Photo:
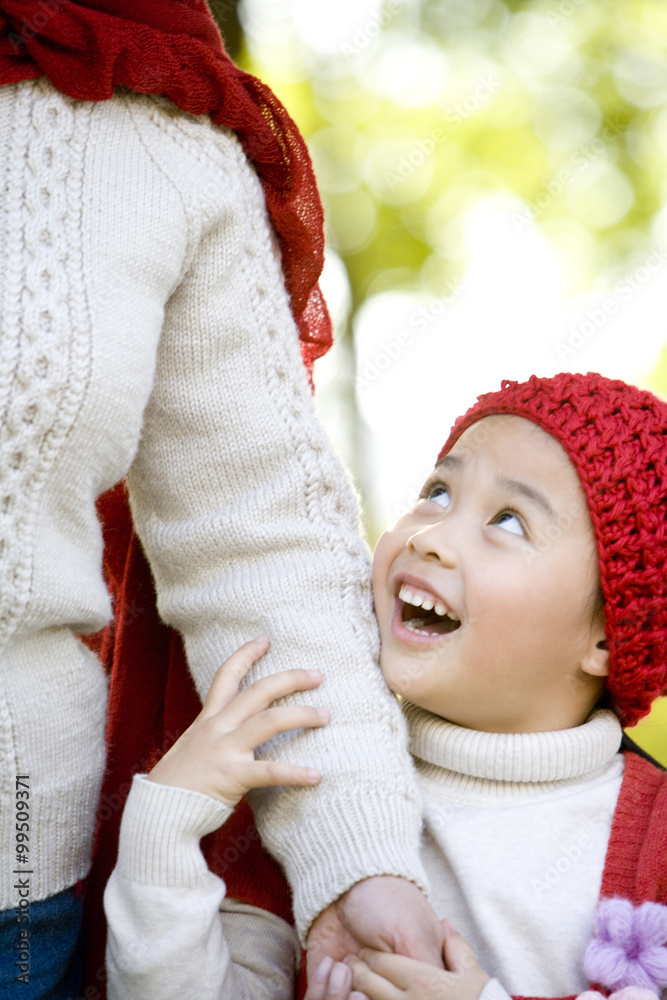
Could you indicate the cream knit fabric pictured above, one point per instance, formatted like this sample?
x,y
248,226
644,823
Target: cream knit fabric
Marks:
x,y
145,327
515,835
172,933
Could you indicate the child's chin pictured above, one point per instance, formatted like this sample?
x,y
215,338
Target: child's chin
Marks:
x,y
398,682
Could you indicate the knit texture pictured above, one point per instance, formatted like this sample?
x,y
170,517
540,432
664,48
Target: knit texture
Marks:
x,y
172,924
629,947
636,862
137,246
515,835
89,47
616,437
485,797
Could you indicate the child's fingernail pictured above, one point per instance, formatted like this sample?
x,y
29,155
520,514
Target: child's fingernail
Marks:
x,y
323,969
315,673
323,714
340,977
313,775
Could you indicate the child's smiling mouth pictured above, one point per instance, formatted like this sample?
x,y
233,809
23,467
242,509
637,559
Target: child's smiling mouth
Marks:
x,y
423,614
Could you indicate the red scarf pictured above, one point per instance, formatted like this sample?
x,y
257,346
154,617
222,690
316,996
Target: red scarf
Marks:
x,y
173,47
170,47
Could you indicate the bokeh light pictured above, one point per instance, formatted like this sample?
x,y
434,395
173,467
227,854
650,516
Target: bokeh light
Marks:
x,y
493,175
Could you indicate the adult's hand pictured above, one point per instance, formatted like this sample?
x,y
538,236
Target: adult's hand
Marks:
x,y
385,913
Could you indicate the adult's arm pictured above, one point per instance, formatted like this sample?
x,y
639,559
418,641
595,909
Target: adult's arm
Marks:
x,y
250,525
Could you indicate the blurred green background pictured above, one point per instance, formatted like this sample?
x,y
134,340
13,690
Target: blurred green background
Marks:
x,y
494,181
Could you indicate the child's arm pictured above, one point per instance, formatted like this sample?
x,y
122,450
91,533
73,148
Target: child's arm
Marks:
x,y
166,930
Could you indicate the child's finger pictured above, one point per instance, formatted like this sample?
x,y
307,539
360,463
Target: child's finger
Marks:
x,y
261,773
331,981
272,721
317,984
370,983
258,696
398,969
461,960
458,954
269,723
225,684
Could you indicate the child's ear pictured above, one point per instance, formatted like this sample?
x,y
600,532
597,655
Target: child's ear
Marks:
x,y
596,660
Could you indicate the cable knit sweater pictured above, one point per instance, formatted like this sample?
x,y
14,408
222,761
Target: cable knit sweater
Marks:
x,y
515,834
146,331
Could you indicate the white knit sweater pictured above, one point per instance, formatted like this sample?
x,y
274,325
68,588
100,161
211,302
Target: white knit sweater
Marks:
x,y
145,331
514,841
515,836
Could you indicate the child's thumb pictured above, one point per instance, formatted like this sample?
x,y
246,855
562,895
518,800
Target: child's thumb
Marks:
x,y
458,955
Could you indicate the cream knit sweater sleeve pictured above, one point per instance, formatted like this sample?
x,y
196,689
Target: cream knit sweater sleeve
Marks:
x,y
172,933
250,526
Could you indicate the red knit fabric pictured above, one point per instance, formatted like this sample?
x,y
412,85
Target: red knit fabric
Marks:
x,y
635,866
636,862
173,47
616,437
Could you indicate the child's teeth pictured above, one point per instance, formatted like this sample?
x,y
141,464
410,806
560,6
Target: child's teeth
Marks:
x,y
426,603
414,624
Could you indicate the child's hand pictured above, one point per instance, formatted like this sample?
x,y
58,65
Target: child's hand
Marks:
x,y
393,977
332,981
215,755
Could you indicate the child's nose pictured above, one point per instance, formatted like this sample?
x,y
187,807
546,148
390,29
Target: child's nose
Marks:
x,y
433,542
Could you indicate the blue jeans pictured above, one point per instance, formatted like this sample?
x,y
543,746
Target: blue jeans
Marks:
x,y
46,952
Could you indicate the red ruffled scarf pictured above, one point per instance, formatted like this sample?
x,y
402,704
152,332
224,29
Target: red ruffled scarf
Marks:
x,y
173,48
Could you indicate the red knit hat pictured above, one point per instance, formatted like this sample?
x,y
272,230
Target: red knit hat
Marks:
x,y
616,437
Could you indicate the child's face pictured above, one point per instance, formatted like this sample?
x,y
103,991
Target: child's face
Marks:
x,y
502,539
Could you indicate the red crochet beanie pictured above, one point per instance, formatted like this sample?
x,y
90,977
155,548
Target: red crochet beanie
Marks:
x,y
616,437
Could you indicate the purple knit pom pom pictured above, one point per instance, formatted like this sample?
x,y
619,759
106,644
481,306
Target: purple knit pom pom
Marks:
x,y
629,947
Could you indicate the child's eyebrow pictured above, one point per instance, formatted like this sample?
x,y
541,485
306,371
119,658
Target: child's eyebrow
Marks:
x,y
524,490
514,486
449,461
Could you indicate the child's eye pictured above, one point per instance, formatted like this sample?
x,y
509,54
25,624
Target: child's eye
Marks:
x,y
438,492
510,521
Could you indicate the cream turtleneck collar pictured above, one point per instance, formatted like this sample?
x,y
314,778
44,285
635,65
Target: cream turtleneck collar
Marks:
x,y
514,757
